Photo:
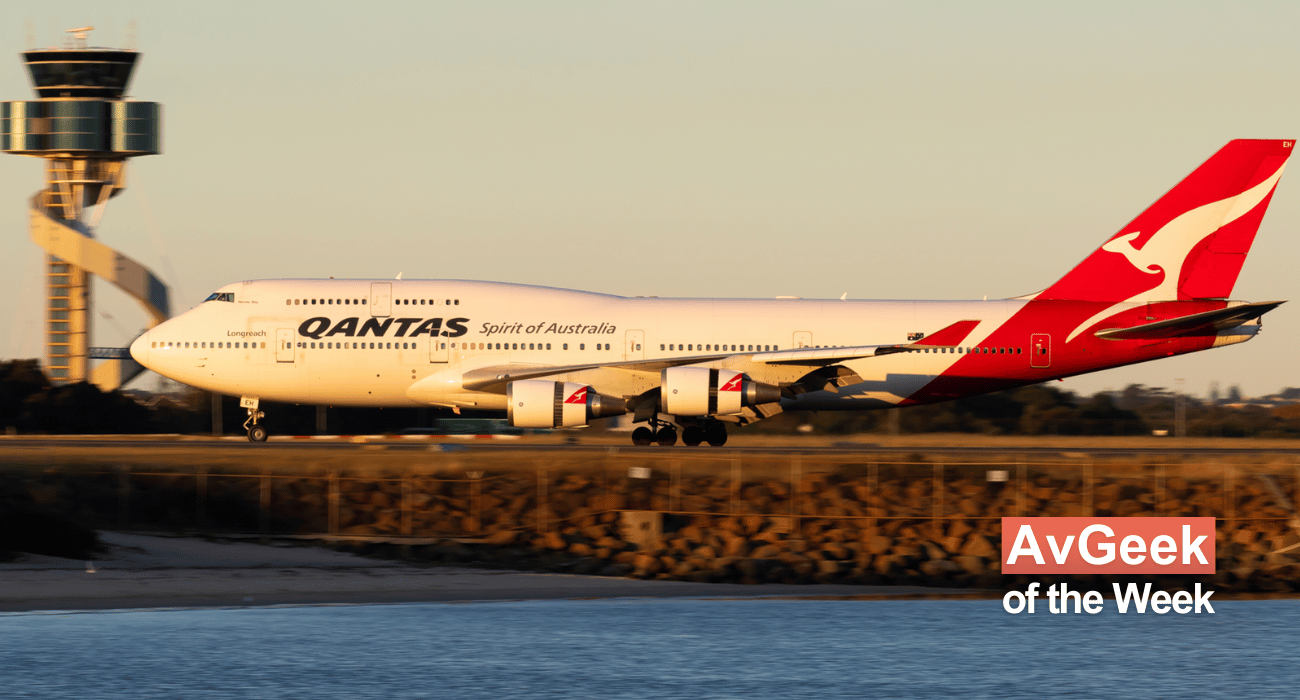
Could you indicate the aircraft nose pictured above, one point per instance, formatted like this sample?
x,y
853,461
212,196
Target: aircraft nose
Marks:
x,y
140,349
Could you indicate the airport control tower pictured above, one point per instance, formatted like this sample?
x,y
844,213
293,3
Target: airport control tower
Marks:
x,y
85,130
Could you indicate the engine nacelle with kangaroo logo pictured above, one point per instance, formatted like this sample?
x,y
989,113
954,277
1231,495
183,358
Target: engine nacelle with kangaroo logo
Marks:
x,y
537,403
700,391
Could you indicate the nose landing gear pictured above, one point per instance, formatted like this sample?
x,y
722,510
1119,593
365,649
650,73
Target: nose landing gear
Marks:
x,y
256,433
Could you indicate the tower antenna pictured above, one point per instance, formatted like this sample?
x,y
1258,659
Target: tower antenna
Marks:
x,y
79,36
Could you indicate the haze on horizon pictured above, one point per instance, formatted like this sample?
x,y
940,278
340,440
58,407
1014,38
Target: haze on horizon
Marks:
x,y
736,149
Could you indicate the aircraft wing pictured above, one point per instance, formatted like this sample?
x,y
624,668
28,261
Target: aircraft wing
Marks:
x,y
949,336
494,379
1205,322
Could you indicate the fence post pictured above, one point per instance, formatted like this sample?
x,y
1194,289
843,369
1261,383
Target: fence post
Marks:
x,y
873,470
541,498
936,499
264,503
675,485
406,505
124,495
1229,497
1086,506
735,486
476,501
1021,487
796,469
1158,488
333,502
609,479
200,497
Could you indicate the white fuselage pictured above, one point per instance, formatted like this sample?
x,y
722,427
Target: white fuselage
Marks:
x,y
408,342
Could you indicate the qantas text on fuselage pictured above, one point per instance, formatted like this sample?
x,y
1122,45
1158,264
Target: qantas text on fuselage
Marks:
x,y
558,358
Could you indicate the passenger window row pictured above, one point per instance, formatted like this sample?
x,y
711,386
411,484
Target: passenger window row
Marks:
x,y
528,346
708,347
421,302
204,345
361,302
323,302
978,350
308,345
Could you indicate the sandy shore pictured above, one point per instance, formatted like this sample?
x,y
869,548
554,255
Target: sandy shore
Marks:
x,y
141,571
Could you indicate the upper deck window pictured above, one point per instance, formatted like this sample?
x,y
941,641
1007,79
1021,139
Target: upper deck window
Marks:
x,y
221,296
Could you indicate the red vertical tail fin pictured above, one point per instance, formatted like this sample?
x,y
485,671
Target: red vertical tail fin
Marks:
x,y
1192,242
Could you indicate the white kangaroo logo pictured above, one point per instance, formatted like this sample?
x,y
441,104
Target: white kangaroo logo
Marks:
x,y
1168,248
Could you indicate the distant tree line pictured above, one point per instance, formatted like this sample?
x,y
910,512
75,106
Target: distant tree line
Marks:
x,y
30,404
1042,409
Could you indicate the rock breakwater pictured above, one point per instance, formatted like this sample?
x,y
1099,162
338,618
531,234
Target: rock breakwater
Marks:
x,y
918,522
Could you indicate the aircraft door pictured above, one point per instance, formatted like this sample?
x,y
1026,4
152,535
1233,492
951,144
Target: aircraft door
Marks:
x,y
284,339
381,299
802,339
1040,348
437,349
634,345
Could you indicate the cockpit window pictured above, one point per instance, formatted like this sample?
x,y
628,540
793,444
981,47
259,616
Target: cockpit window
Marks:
x,y
221,296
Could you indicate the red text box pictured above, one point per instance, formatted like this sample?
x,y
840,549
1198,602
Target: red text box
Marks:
x,y
1108,545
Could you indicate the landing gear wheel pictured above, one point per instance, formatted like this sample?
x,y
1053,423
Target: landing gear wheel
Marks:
x,y
643,436
666,437
256,433
692,436
716,435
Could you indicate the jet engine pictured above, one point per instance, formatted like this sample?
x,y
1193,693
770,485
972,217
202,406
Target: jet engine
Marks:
x,y
537,403
700,391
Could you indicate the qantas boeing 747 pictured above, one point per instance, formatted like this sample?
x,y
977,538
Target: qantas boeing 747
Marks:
x,y
553,358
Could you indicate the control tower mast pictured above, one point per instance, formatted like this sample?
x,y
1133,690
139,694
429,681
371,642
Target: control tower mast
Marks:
x,y
85,130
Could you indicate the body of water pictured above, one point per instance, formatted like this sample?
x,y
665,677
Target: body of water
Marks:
x,y
778,649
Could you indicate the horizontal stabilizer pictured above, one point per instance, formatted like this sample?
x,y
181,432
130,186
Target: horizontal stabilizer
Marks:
x,y
948,337
1206,322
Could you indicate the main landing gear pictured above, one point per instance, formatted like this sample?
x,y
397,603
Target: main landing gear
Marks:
x,y
256,433
666,436
711,431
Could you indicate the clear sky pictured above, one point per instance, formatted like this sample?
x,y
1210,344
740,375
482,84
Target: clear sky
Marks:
x,y
741,149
